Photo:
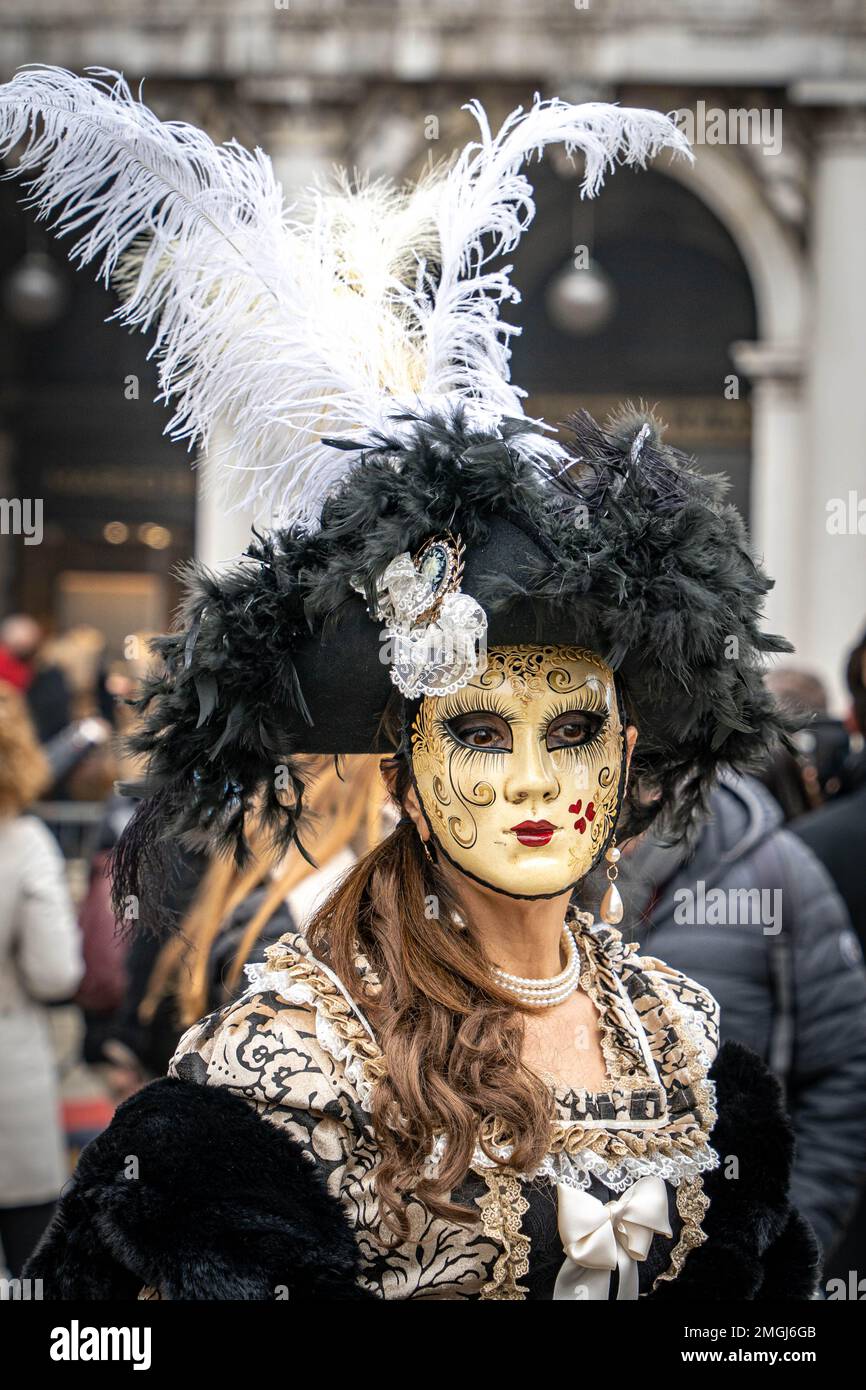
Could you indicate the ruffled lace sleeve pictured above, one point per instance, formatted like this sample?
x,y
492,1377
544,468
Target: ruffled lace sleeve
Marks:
x,y
692,1003
264,1050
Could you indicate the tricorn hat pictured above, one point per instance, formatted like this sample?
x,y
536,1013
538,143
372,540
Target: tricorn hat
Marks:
x,y
626,549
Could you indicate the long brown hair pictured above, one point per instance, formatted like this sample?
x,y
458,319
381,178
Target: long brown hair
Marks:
x,y
452,1040
24,769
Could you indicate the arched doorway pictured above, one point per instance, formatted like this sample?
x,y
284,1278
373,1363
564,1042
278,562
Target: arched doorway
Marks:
x,y
678,296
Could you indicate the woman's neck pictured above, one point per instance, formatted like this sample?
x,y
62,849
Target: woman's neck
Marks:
x,y
520,935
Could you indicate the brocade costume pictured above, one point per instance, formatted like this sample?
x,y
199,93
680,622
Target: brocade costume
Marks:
x,y
298,1050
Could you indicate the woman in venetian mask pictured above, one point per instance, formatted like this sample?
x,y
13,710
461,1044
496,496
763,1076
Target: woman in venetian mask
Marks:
x,y
454,1085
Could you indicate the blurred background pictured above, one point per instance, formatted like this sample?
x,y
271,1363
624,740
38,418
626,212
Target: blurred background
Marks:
x,y
730,295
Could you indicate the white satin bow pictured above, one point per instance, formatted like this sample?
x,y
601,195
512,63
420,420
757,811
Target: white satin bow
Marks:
x,y
599,1237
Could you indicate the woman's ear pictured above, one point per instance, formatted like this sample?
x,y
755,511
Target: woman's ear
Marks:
x,y
630,741
410,805
388,769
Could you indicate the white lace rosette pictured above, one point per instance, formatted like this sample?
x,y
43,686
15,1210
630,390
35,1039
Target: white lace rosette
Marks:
x,y
435,635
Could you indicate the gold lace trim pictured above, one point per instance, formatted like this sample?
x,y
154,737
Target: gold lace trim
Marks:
x,y
685,1134
692,1203
503,1207
622,1053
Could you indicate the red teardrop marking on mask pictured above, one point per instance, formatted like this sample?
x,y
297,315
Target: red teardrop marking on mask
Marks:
x,y
590,811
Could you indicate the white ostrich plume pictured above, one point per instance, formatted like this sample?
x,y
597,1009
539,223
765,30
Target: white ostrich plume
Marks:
x,y
289,326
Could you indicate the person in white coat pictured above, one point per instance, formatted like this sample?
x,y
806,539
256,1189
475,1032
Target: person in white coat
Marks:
x,y
40,962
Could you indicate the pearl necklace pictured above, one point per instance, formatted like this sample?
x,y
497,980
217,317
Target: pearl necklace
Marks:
x,y
544,994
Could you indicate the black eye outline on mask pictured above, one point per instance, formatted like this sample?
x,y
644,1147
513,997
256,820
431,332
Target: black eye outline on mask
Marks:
x,y
461,726
458,724
593,720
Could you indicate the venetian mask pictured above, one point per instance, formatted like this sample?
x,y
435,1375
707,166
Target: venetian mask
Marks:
x,y
520,772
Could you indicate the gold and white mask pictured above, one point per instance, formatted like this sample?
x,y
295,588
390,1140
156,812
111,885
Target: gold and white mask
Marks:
x,y
520,772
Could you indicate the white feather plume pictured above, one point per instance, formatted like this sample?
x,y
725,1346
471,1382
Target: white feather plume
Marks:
x,y
289,326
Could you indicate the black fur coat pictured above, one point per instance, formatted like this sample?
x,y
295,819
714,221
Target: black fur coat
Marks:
x,y
190,1191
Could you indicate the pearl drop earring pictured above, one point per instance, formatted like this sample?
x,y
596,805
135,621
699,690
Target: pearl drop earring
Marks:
x,y
612,909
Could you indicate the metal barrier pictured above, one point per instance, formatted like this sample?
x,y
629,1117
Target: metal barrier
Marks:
x,y
74,824
75,827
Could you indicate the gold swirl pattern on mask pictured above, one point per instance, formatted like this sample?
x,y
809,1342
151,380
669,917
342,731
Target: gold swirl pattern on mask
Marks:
x,y
607,812
602,826
428,748
440,791
482,794
599,782
429,755
465,838
523,667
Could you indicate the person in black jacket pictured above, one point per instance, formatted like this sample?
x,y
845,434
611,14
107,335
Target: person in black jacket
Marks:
x,y
787,971
836,833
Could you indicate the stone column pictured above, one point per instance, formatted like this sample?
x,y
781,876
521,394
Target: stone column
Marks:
x,y
834,593
221,530
780,485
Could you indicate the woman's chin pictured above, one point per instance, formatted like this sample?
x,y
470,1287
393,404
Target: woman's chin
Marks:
x,y
533,874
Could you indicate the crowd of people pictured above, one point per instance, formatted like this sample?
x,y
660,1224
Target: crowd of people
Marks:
x,y
767,908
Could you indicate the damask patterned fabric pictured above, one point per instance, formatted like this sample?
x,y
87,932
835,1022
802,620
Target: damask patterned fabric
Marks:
x,y
299,1050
